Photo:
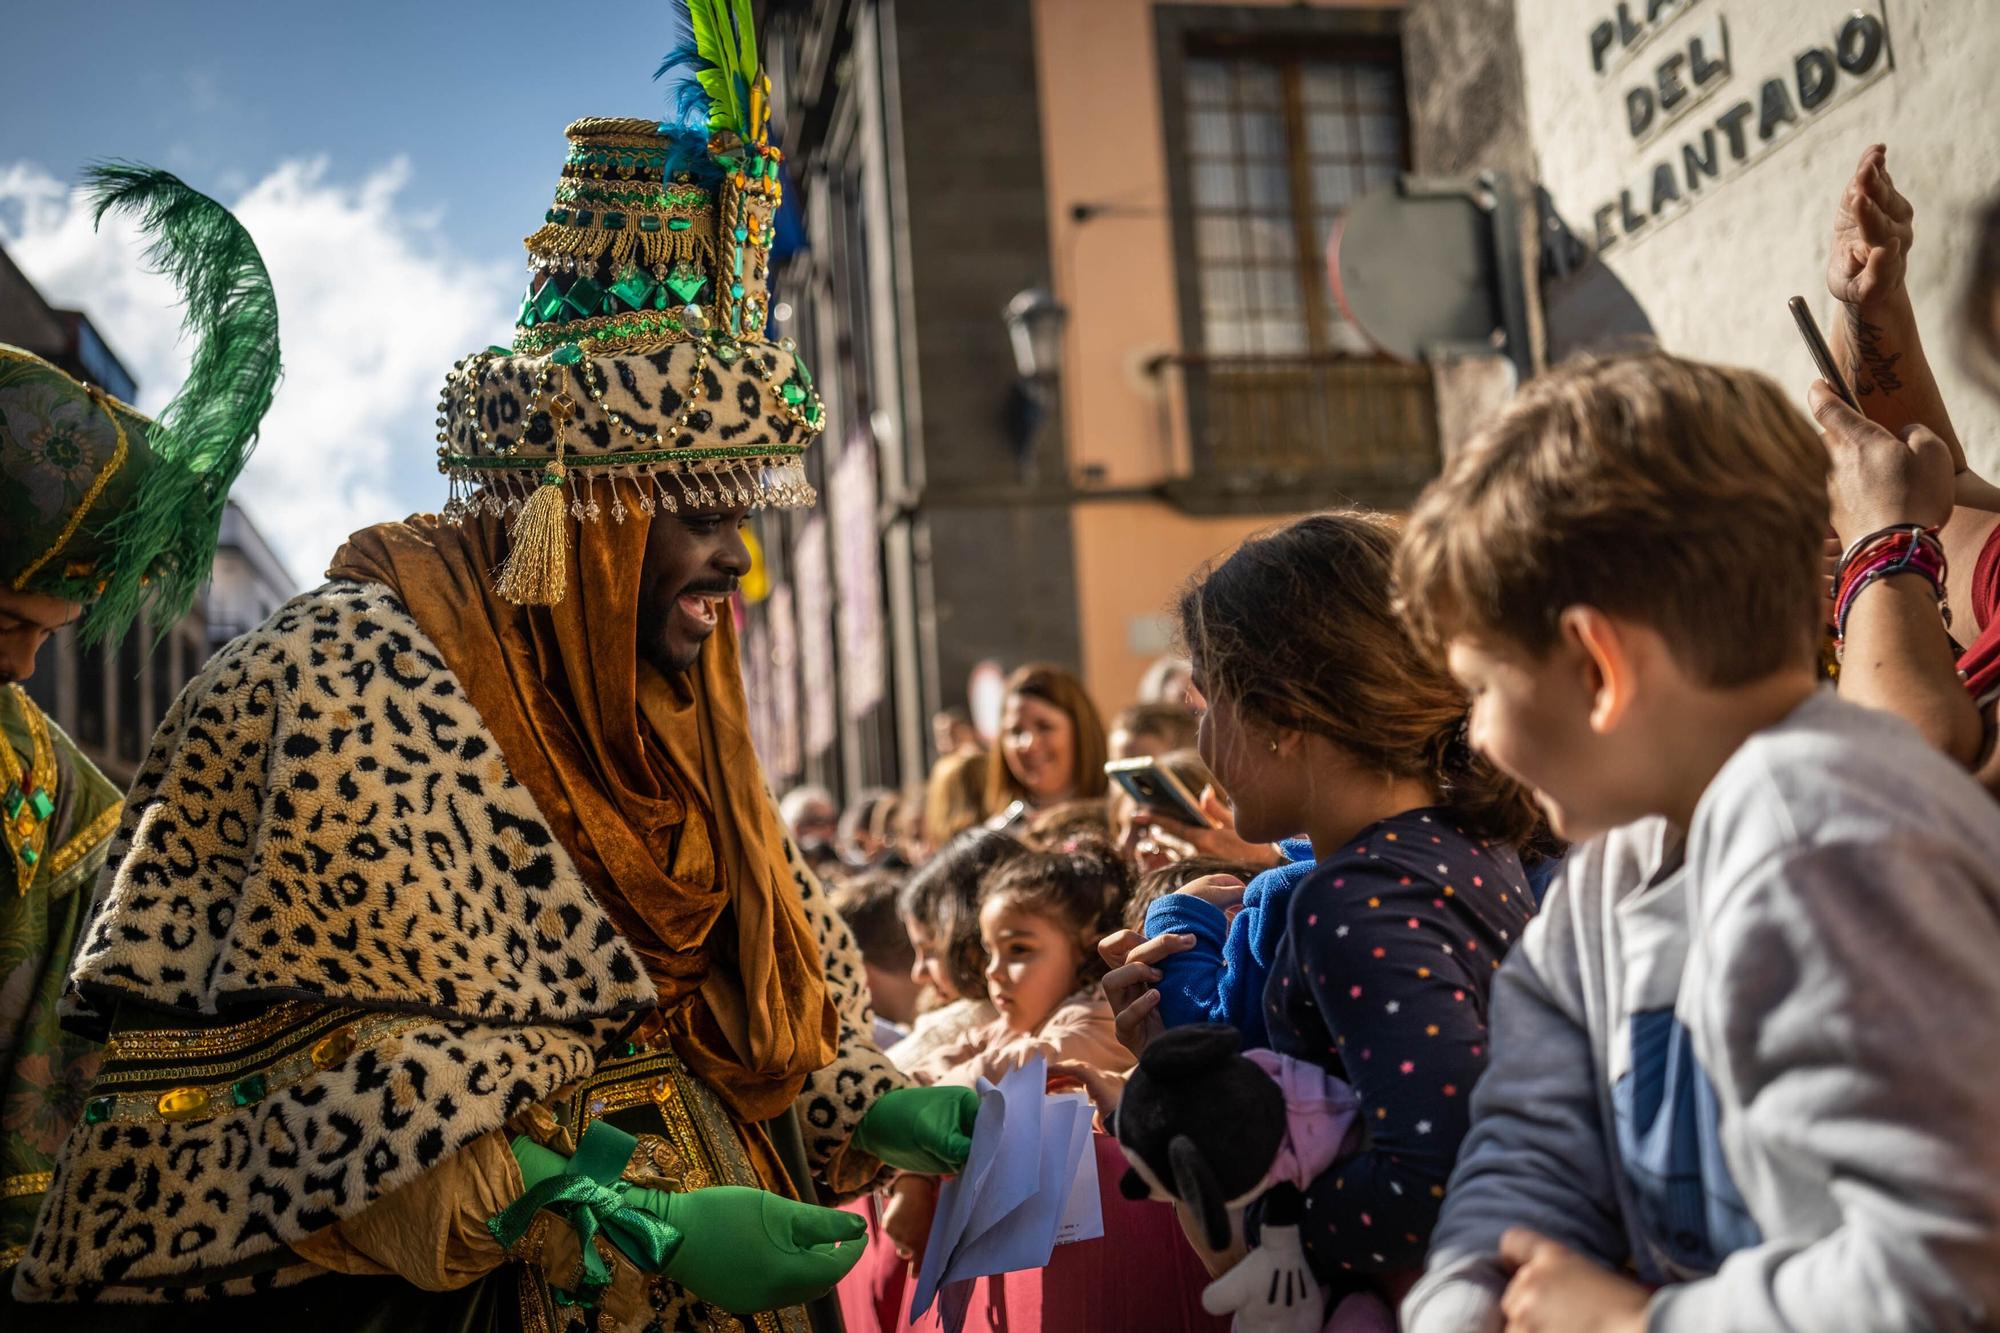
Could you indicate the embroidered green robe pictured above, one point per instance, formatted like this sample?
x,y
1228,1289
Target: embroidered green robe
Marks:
x,y
45,1073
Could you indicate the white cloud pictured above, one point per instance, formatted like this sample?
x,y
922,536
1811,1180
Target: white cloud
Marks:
x,y
373,308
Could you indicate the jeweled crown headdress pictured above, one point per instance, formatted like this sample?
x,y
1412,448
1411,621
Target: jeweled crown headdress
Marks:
x,y
641,349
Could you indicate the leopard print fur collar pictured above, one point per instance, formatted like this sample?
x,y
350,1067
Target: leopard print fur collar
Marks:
x,y
323,816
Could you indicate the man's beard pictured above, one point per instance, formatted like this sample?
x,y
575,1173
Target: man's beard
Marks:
x,y
656,654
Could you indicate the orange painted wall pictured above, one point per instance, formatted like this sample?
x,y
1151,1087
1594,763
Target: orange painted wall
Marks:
x,y
1102,143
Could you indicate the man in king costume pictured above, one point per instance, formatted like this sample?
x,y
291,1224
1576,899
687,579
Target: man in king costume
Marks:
x,y
456,969
102,510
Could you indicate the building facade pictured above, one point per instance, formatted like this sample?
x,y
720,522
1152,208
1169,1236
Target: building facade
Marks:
x,y
110,697
1171,173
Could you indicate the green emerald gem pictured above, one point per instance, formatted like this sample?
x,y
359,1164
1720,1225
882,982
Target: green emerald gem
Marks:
x,y
678,224
634,289
245,1091
15,796
736,290
29,856
632,1048
685,282
567,355
612,222
583,216
584,296
498,350
792,393
42,804
548,303
725,352
649,224
98,1110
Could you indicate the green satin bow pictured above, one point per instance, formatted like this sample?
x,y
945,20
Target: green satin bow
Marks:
x,y
586,1192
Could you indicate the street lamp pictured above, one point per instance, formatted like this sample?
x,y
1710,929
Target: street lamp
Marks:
x,y
1034,320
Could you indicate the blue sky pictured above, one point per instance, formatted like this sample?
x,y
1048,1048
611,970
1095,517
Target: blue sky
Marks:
x,y
388,157
221,91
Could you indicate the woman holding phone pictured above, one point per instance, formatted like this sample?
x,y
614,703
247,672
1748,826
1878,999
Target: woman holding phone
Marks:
x,y
1051,748
1376,964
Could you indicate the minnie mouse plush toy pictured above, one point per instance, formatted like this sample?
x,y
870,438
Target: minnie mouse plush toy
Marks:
x,y
1203,1123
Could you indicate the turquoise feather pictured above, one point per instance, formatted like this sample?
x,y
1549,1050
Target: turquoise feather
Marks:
x,y
720,48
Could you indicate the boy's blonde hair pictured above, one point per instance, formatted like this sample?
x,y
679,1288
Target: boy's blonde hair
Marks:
x,y
1686,496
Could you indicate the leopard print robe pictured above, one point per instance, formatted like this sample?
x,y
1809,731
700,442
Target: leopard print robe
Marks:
x,y
337,943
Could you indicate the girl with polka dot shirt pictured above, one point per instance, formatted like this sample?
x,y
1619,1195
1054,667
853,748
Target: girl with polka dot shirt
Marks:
x,y
1322,717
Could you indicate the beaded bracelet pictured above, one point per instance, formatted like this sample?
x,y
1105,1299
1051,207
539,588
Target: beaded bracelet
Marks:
x,y
1905,548
1910,550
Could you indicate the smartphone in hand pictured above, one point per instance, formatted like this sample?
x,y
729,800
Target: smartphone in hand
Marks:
x,y
1155,788
1822,355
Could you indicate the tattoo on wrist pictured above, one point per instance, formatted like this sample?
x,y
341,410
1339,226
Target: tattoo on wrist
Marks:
x,y
1868,366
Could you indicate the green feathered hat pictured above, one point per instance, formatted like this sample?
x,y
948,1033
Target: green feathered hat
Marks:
x,y
640,352
101,504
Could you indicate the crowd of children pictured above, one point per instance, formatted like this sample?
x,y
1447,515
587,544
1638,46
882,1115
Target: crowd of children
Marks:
x,y
1596,964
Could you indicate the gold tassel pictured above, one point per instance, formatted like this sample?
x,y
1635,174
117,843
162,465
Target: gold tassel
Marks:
x,y
535,572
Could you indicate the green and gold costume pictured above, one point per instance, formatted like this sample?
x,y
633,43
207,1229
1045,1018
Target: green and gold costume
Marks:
x,y
57,814
115,511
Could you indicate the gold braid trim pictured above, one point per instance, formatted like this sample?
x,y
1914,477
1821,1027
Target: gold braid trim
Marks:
x,y
86,842
615,131
104,476
35,1182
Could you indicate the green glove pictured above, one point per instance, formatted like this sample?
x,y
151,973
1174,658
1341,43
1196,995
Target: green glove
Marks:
x,y
747,1250
924,1130
744,1250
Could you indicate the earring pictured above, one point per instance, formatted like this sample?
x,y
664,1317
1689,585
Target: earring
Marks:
x,y
1274,747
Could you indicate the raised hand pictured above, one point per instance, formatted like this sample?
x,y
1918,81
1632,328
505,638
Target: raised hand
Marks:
x,y
1872,234
1876,478
1220,840
1128,986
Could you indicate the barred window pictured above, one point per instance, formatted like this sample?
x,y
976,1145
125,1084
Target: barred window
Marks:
x,y
1278,143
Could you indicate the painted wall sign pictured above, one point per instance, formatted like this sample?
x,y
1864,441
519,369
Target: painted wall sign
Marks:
x,y
1694,154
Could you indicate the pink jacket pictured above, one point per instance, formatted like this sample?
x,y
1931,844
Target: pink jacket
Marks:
x,y
1080,1029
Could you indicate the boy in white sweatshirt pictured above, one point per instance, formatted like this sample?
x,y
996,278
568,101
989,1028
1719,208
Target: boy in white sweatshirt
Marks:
x,y
1741,1073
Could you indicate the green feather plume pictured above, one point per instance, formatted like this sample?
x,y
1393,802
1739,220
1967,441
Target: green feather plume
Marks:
x,y
164,539
725,39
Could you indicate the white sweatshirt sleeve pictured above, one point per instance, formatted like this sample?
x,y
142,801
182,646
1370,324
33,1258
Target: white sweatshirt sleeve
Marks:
x,y
1843,1001
1536,1156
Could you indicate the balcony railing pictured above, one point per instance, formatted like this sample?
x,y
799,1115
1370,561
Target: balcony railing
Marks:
x,y
1271,433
